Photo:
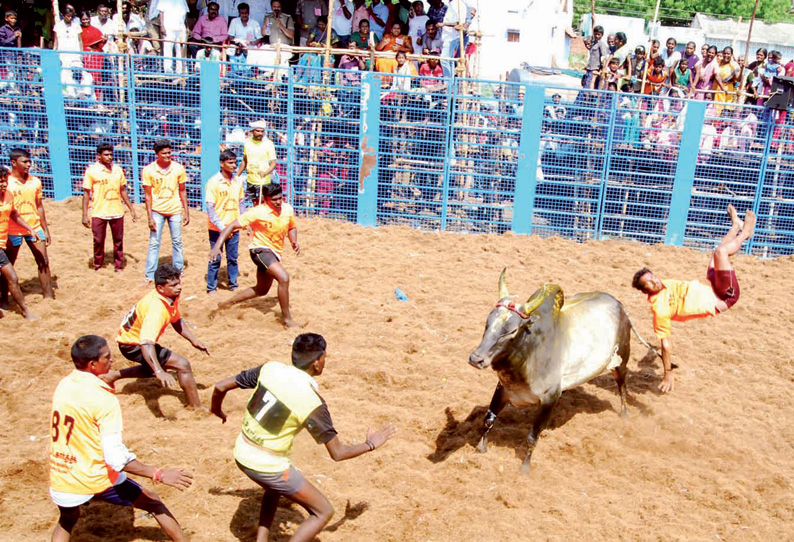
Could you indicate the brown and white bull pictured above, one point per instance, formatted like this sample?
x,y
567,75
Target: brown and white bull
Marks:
x,y
548,345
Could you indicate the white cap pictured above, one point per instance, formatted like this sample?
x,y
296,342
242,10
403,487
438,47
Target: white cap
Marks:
x,y
259,124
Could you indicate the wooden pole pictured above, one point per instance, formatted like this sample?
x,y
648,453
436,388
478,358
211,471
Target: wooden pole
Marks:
x,y
648,53
328,30
461,69
747,51
122,41
592,18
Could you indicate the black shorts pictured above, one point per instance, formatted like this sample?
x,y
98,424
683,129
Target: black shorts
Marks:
x,y
4,261
263,258
133,353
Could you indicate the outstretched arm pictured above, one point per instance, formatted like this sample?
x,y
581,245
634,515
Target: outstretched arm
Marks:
x,y
219,394
184,330
668,380
375,439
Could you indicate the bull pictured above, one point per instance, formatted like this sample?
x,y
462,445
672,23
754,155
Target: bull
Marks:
x,y
548,345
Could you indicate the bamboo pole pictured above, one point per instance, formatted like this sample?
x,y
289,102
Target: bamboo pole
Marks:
x,y
328,31
747,51
461,68
592,18
122,42
650,41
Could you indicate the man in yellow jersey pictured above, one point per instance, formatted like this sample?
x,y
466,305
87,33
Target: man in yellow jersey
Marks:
x,y
165,194
105,186
285,400
681,300
142,328
88,458
271,221
8,215
223,200
259,157
27,192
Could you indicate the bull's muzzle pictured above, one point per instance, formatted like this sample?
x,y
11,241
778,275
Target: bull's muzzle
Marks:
x,y
477,360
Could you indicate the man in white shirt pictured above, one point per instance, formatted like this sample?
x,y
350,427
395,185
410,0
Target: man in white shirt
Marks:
x,y
343,21
133,26
104,23
417,21
172,22
242,29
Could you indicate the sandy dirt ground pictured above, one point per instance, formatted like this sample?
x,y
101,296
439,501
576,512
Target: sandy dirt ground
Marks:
x,y
712,461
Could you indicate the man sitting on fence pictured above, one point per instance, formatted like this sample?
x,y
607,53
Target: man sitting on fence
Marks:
x,y
681,300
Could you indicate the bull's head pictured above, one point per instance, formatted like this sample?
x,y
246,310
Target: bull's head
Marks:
x,y
509,320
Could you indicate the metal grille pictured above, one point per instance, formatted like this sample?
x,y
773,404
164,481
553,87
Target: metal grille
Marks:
x,y
641,160
326,134
23,112
775,197
486,134
574,147
167,106
728,168
414,131
468,156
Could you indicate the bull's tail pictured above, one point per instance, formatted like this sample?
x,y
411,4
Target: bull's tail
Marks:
x,y
637,333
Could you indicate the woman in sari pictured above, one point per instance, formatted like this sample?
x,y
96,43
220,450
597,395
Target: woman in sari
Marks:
x,y
704,74
725,78
393,42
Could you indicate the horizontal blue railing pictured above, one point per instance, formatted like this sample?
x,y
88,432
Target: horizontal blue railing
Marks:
x,y
459,155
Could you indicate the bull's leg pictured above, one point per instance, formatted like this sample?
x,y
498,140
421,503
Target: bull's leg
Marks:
x,y
619,373
539,425
498,402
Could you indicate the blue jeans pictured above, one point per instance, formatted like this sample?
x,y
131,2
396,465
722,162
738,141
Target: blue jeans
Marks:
x,y
231,245
175,227
450,49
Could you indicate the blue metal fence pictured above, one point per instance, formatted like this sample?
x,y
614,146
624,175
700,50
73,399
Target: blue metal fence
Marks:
x,y
459,155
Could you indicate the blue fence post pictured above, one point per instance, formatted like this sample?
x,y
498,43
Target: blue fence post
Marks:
x,y
210,99
528,157
613,114
452,89
685,173
291,166
133,119
58,141
759,187
369,132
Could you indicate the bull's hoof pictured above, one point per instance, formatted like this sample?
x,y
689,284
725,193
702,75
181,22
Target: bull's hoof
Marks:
x,y
482,446
526,466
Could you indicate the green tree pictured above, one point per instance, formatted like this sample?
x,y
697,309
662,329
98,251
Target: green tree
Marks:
x,y
680,12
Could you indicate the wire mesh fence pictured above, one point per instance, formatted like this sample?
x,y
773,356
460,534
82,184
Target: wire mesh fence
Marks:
x,y
23,112
459,155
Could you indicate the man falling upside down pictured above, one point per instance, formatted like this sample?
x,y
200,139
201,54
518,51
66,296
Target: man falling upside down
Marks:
x,y
681,300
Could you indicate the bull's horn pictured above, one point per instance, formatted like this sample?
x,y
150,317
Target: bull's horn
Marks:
x,y
503,284
540,296
534,300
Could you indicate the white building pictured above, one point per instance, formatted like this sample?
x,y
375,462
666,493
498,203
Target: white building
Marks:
x,y
722,32
517,31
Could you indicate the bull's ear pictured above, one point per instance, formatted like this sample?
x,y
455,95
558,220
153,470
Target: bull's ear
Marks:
x,y
503,293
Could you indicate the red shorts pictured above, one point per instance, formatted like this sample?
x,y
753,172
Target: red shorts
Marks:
x,y
725,285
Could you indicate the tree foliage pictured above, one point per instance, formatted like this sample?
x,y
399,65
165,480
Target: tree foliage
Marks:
x,y
680,12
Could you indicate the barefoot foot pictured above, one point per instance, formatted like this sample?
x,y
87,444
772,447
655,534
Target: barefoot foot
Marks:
x,y
290,323
749,224
110,377
734,216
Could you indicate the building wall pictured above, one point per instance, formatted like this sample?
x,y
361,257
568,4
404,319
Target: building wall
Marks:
x,y
541,26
